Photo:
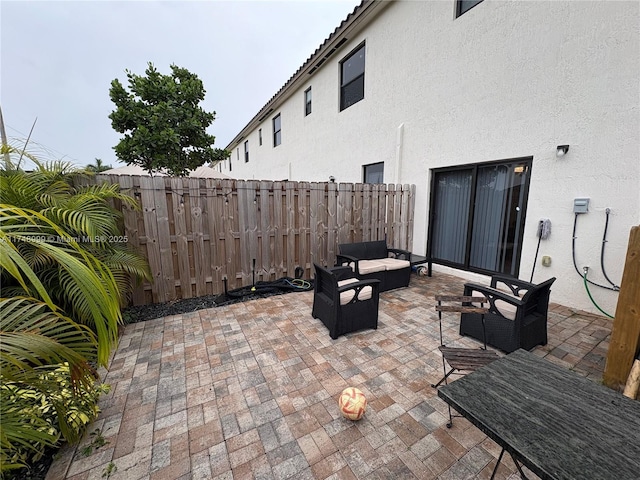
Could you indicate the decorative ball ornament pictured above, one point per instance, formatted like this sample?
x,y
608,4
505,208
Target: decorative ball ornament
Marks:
x,y
352,403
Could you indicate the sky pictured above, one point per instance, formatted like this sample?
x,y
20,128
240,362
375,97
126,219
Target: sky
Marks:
x,y
58,58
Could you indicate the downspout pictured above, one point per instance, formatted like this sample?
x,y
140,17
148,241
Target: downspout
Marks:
x,y
399,140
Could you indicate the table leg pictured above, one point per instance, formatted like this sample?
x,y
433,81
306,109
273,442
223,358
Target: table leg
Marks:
x,y
497,465
446,375
522,475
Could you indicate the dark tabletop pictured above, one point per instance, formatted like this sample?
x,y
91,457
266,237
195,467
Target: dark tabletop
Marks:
x,y
559,424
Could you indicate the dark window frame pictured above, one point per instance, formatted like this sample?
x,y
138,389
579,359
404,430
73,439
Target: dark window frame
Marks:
x,y
260,137
364,172
246,151
358,78
307,102
475,167
463,6
277,134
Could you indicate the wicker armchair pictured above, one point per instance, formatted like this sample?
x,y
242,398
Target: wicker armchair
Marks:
x,y
517,316
344,304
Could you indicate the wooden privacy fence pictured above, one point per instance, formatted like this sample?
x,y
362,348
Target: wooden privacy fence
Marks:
x,y
195,232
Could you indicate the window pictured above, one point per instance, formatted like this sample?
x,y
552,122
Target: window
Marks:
x,y
477,216
307,101
277,134
373,173
246,151
463,6
260,136
352,78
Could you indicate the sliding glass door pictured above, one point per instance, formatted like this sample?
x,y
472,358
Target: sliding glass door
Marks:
x,y
477,216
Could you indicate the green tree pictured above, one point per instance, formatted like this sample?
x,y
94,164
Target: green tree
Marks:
x,y
98,166
163,125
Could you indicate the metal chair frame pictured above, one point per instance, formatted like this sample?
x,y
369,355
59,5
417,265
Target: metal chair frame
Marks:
x,y
462,359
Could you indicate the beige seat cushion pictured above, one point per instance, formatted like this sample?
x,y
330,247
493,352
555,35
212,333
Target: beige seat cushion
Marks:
x,y
346,297
394,263
371,266
507,310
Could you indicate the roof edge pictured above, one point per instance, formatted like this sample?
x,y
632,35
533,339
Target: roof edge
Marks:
x,y
331,44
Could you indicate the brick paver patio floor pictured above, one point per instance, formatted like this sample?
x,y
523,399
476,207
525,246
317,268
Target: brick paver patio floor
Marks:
x,y
250,391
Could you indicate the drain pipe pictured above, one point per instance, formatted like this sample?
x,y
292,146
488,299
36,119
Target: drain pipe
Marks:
x,y
399,141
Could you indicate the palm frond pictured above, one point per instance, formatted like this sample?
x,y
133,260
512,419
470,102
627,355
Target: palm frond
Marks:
x,y
94,284
33,336
84,218
108,191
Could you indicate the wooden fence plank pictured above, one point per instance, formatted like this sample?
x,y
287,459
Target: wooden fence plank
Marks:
x,y
375,220
291,228
357,218
303,222
230,213
332,224
201,260
390,205
266,225
212,213
151,241
346,225
164,237
397,215
625,335
182,242
315,225
279,215
252,225
404,216
365,224
411,217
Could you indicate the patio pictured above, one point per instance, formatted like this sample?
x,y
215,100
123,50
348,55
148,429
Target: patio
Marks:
x,y
250,391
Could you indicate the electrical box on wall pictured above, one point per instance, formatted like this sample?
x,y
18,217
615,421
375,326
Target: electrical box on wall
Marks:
x,y
580,205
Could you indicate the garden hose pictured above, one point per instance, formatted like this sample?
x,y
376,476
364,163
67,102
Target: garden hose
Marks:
x,y
604,242
586,286
575,265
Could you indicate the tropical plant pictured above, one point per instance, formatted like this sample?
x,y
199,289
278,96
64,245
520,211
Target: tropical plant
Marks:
x,y
83,217
98,166
63,283
163,125
35,416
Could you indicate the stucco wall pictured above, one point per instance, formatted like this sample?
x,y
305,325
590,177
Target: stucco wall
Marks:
x,y
505,80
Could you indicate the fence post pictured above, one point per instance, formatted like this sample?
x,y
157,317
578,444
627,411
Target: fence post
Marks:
x,y
625,336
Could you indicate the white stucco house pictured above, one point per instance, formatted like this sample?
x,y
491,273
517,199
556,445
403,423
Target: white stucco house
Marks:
x,y
502,113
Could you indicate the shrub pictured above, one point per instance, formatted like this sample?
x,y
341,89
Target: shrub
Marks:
x,y
38,413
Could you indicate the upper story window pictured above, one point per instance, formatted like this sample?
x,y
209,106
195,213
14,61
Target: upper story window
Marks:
x,y
463,6
373,173
246,151
260,136
352,78
307,101
277,134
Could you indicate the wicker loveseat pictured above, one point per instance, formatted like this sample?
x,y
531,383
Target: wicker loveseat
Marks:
x,y
374,260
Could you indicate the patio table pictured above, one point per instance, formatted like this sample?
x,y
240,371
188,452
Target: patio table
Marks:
x,y
556,422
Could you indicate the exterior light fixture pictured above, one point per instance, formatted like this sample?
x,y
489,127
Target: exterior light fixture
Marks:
x,y
562,150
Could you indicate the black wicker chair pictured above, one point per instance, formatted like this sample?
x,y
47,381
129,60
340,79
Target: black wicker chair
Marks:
x,y
517,316
344,304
